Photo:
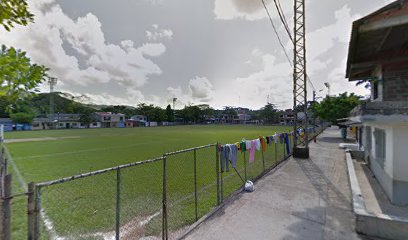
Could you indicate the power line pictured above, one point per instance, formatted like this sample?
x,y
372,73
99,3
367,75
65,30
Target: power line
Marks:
x,y
284,22
276,32
283,19
283,14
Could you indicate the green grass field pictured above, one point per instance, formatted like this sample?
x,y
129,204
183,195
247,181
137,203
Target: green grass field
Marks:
x,y
84,207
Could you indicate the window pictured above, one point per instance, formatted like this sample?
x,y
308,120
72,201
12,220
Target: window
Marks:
x,y
379,136
107,118
375,89
368,138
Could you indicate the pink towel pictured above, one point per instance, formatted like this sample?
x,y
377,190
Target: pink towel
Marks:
x,y
252,152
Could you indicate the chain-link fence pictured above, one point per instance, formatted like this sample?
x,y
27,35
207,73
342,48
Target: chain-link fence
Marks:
x,y
153,199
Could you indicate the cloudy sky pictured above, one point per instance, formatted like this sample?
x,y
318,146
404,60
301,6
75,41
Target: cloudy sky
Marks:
x,y
219,52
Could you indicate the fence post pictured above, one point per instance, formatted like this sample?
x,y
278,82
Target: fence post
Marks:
x,y
263,160
2,171
217,169
222,184
37,211
195,185
284,150
245,169
6,209
31,211
2,162
276,153
164,206
118,204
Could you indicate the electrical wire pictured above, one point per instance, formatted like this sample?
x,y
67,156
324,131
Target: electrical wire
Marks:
x,y
283,19
284,22
276,32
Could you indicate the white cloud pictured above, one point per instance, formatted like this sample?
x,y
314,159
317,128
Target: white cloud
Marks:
x,y
274,79
157,33
322,39
102,62
201,89
247,9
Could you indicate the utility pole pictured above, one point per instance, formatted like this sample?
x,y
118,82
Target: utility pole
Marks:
x,y
301,139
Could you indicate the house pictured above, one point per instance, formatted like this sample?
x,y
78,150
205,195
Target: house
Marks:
x,y
67,120
378,53
287,117
41,124
111,120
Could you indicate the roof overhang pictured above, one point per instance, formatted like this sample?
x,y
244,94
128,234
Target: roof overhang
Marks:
x,y
379,38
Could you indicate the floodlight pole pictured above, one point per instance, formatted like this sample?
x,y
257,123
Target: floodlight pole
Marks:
x,y
174,109
52,82
301,139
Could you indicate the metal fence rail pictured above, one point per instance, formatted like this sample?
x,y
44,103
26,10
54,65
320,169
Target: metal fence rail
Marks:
x,y
155,198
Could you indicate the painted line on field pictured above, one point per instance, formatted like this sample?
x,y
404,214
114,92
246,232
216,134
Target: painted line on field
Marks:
x,y
20,179
19,176
18,140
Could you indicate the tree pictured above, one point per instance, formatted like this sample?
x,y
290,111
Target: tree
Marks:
x,y
206,111
18,76
86,116
14,12
268,113
22,117
191,114
333,108
169,113
4,105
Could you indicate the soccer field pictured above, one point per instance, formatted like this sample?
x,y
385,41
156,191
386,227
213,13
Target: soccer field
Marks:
x,y
85,208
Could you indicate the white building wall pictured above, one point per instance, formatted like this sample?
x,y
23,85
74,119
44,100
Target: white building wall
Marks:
x,y
400,149
388,161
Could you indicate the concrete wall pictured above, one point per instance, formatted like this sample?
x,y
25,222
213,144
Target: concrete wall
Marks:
x,y
383,171
400,165
395,81
392,174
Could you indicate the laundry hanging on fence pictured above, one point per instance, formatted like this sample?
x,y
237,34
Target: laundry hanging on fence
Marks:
x,y
224,158
263,143
229,154
287,143
281,138
276,137
233,154
258,144
248,145
243,145
252,152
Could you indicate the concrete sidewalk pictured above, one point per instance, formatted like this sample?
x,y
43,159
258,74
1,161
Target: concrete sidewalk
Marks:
x,y
301,199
